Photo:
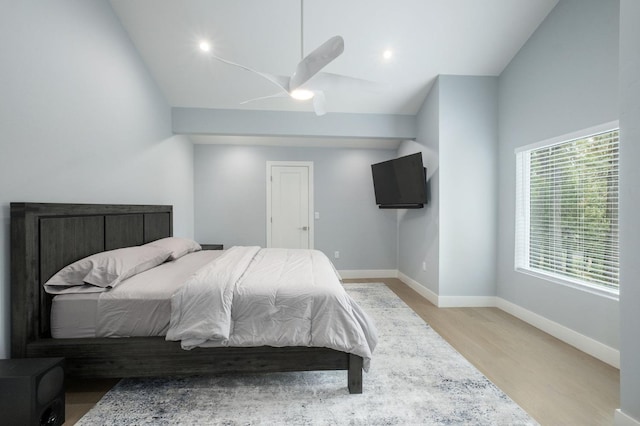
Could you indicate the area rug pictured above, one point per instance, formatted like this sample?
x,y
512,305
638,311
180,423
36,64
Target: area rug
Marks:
x,y
416,378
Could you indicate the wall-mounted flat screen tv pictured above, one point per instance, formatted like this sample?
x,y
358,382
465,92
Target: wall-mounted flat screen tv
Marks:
x,y
400,183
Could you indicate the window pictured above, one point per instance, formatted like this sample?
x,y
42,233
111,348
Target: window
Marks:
x,y
567,209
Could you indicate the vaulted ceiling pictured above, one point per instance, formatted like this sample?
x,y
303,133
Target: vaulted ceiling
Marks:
x,y
425,37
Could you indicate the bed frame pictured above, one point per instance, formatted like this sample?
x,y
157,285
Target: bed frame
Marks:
x,y
47,237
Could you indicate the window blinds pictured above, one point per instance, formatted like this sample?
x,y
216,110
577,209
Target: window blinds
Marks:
x,y
567,209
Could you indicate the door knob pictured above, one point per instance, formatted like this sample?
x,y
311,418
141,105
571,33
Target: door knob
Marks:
x,y
305,228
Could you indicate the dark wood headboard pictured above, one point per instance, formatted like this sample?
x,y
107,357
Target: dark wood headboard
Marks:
x,y
46,237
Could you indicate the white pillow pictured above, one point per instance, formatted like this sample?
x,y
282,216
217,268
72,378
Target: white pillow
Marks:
x,y
178,246
102,271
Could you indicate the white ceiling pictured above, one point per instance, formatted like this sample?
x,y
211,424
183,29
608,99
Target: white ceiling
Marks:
x,y
428,37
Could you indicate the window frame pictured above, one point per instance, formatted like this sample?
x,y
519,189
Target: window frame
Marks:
x,y
522,208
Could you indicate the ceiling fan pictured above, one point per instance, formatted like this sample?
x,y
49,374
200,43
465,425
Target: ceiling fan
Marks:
x,y
307,82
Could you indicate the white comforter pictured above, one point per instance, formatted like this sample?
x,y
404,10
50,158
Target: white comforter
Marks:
x,y
270,297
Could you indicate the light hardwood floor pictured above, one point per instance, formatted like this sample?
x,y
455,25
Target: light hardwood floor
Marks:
x,y
554,382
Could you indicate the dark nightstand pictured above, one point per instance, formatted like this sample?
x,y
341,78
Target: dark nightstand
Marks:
x,y
212,246
32,391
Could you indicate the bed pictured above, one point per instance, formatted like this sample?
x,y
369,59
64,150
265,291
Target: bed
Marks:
x,y
45,237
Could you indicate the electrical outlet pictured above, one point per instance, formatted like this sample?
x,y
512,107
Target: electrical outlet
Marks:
x,y
336,255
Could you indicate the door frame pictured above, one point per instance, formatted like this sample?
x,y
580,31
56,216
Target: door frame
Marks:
x,y
309,165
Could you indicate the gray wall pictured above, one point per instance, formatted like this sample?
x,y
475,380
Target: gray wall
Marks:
x,y
629,207
563,79
419,230
456,234
81,120
468,183
230,201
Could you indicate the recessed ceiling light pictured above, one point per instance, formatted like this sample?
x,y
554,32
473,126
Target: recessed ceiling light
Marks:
x,y
387,54
301,94
205,46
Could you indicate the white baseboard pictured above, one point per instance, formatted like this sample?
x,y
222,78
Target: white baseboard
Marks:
x,y
368,273
621,419
419,288
586,344
448,301
466,301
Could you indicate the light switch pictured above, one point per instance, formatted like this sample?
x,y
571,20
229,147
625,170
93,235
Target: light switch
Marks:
x,y
317,215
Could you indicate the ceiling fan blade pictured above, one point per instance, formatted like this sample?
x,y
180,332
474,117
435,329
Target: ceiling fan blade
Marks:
x,y
316,60
330,81
281,81
319,103
275,95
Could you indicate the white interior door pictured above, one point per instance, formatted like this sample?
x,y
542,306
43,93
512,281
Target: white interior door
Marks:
x,y
289,204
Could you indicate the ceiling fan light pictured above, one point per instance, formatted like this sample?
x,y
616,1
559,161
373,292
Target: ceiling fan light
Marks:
x,y
205,46
301,94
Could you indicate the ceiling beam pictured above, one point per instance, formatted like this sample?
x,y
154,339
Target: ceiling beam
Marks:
x,y
203,121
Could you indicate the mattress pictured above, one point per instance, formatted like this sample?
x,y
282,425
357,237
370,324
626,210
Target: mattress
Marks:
x,y
139,306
